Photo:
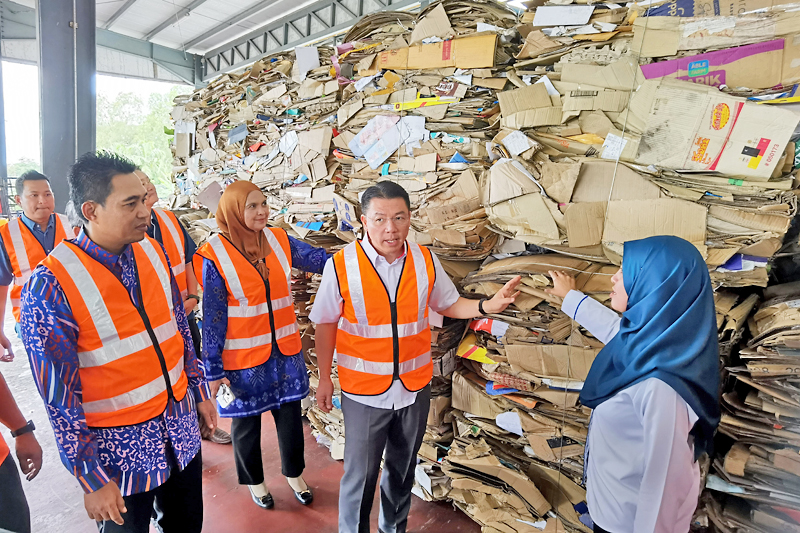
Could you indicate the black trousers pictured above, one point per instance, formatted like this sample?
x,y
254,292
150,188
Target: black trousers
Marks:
x,y
598,529
246,435
14,513
178,505
195,331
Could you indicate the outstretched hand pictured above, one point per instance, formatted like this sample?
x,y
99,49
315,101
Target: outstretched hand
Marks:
x,y
562,284
503,298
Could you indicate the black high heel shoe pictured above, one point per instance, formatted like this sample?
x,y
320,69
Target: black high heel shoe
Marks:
x,y
265,502
304,496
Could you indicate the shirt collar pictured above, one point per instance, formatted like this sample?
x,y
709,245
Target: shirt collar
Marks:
x,y
34,225
374,256
93,250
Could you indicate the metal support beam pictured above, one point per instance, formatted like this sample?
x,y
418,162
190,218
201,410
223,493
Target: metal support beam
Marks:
x,y
3,162
225,24
66,34
21,20
118,13
275,35
183,12
179,63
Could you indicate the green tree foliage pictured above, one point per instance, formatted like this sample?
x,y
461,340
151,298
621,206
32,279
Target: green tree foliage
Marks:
x,y
15,170
135,128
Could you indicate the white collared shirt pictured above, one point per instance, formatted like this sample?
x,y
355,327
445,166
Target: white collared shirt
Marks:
x,y
328,309
641,476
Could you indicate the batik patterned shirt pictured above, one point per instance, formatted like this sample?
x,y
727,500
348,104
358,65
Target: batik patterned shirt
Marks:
x,y
140,457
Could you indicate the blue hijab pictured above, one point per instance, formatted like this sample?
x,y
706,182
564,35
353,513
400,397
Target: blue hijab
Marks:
x,y
669,332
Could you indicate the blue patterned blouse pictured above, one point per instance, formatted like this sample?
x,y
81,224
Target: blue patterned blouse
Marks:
x,y
138,458
282,378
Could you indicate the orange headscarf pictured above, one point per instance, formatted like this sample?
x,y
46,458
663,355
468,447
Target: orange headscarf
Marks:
x,y
230,219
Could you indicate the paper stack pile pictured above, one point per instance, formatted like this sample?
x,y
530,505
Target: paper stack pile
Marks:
x,y
529,143
756,479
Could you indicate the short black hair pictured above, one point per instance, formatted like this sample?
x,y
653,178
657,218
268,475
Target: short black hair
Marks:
x,y
30,175
90,177
385,190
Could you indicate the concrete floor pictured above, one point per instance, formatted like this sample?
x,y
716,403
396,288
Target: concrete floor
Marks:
x,y
56,500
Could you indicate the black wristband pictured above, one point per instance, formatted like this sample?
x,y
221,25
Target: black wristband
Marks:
x,y
480,306
27,428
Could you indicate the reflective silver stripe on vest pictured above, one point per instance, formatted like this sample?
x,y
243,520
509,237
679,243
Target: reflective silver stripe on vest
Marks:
x,y
360,365
383,331
137,396
249,311
19,250
113,348
127,346
277,249
354,283
167,222
66,225
421,270
89,292
381,369
161,272
228,270
260,340
414,364
179,269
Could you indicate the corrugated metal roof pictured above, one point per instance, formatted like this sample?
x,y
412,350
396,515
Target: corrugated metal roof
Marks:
x,y
187,21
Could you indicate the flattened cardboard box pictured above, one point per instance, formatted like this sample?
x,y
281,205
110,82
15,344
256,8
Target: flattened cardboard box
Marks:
x,y
703,8
633,220
694,127
757,66
529,107
468,52
666,36
552,360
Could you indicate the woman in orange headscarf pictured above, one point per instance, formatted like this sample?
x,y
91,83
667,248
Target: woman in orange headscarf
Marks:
x,y
251,340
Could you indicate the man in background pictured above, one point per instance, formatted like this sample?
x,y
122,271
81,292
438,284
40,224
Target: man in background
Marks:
x,y
166,229
26,240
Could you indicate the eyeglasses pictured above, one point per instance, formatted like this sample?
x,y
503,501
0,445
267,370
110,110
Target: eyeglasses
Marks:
x,y
399,220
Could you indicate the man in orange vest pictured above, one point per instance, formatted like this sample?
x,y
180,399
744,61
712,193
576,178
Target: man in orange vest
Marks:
x,y
26,240
14,513
167,229
373,307
111,353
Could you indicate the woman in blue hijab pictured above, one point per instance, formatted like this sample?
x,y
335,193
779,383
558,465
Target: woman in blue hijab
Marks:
x,y
653,388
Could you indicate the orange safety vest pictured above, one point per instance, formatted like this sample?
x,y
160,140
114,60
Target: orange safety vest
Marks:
x,y
131,359
25,252
255,308
175,245
379,341
3,450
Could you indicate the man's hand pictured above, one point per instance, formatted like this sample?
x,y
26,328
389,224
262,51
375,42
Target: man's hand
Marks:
x,y
215,385
503,298
105,504
208,414
189,304
325,394
8,354
562,284
29,454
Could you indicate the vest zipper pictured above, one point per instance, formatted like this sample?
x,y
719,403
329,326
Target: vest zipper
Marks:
x,y
160,354
395,342
269,307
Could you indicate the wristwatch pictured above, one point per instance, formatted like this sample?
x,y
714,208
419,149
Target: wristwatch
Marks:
x,y
27,428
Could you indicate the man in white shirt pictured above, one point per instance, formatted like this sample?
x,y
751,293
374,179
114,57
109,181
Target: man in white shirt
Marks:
x,y
372,307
